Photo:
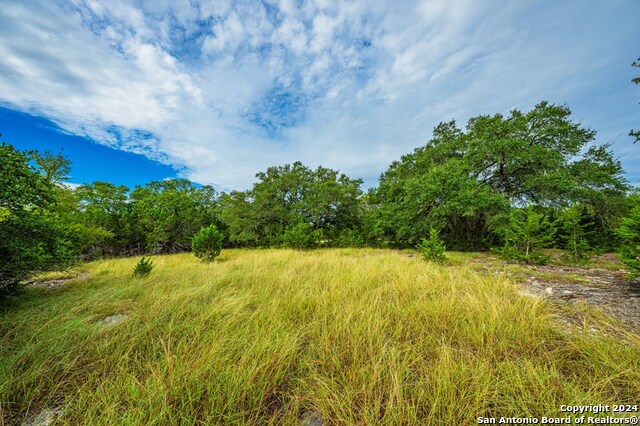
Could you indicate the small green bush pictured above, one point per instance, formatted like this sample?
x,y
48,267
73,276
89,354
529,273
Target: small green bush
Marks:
x,y
301,236
207,243
349,238
143,268
526,233
432,249
574,230
629,233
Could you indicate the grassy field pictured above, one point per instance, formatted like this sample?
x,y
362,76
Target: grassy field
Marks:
x,y
275,336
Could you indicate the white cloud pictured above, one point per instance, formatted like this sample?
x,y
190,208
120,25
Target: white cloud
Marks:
x,y
349,85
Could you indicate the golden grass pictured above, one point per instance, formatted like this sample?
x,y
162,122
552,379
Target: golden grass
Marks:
x,y
359,336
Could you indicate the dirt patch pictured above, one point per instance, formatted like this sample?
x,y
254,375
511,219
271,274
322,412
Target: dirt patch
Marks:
x,y
311,418
45,417
57,283
114,319
608,290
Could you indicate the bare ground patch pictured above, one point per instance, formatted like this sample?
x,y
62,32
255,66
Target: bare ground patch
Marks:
x,y
606,289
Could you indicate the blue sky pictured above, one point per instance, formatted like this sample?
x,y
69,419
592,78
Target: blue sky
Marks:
x,y
216,91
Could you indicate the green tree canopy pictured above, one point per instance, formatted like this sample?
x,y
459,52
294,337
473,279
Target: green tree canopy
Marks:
x,y
460,179
287,195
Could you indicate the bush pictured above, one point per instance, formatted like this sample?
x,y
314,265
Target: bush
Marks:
x,y
143,268
574,229
349,238
526,233
207,243
432,249
301,237
629,232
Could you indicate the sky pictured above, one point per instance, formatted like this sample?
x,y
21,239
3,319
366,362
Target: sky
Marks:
x,y
216,91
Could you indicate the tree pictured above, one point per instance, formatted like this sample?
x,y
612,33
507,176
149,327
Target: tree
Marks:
x,y
526,233
288,195
629,232
54,168
33,236
432,249
460,179
103,206
636,80
170,212
575,228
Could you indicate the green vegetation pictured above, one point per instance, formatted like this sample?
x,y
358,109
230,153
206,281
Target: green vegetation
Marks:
x,y
526,234
520,184
629,232
289,195
207,243
432,249
143,268
359,336
301,236
35,236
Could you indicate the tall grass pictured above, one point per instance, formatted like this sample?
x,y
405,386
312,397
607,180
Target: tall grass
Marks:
x,y
264,337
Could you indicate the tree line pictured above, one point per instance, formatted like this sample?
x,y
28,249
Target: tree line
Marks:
x,y
519,184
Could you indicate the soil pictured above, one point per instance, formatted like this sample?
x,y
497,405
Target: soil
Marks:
x,y
53,284
610,290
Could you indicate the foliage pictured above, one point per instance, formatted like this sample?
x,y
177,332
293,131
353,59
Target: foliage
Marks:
x,y
432,249
287,195
575,228
629,233
143,268
170,212
350,238
207,243
526,232
301,236
53,168
460,181
34,237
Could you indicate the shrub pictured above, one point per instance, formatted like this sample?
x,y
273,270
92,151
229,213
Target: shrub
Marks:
x,y
349,238
143,268
574,228
432,249
629,232
207,243
301,236
526,233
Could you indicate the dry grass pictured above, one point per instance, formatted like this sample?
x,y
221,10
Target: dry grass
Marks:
x,y
263,337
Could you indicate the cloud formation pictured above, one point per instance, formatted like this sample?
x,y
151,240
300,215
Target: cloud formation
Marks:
x,y
224,89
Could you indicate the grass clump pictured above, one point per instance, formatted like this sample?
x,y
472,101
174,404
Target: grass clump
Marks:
x,y
357,336
143,268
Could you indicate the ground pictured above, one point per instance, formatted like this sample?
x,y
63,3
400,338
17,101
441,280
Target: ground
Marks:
x,y
326,337
602,283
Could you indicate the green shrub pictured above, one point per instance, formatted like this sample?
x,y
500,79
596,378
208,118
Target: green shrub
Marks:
x,y
143,268
526,232
349,238
301,236
574,230
629,232
432,249
207,243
